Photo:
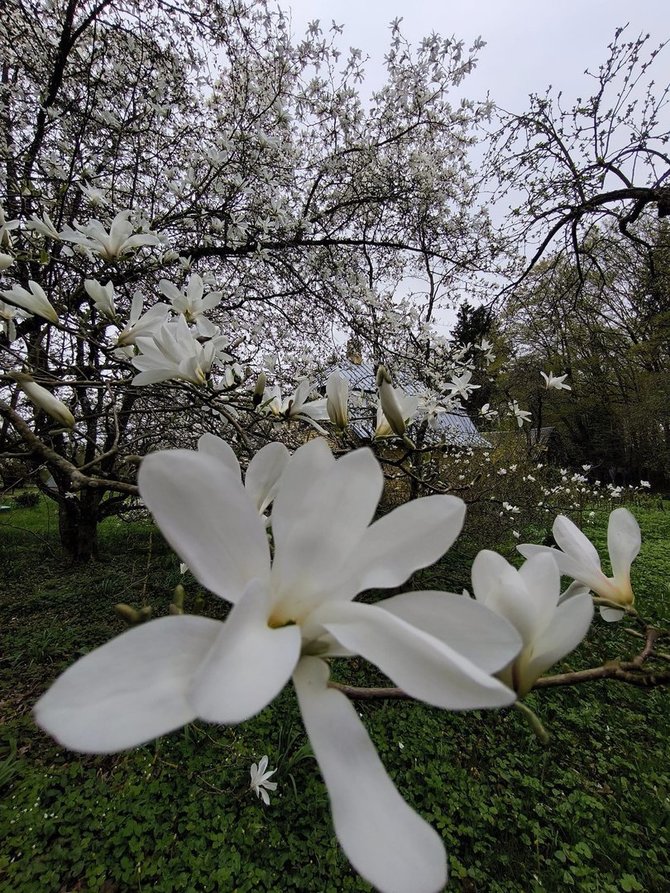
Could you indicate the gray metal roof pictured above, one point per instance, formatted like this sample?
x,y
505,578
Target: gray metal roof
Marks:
x,y
454,428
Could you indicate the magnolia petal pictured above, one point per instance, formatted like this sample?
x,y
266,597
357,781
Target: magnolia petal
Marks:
x,y
305,469
482,636
422,665
623,542
588,575
302,392
264,472
575,588
249,663
152,376
542,579
499,586
384,839
313,547
214,446
130,690
170,290
569,625
610,615
576,544
207,517
410,537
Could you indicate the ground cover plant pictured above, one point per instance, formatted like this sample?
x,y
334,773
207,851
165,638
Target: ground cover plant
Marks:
x,y
589,811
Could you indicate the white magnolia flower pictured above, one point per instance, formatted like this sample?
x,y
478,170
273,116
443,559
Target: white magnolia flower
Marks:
x,y
395,409
260,783
259,389
555,382
521,415
6,226
191,304
6,260
142,325
578,558
44,226
172,352
96,196
529,599
487,413
109,245
296,406
44,399
290,613
645,484
102,296
460,386
337,394
35,300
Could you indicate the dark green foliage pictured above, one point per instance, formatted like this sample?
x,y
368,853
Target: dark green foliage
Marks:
x,y
27,499
588,813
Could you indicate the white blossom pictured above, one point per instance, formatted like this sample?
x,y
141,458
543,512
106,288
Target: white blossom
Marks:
x,y
34,301
555,382
529,599
289,614
577,558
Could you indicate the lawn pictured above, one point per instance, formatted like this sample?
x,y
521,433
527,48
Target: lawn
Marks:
x,y
588,812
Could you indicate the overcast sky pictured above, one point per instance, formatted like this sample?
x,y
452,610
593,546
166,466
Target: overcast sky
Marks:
x,y
530,43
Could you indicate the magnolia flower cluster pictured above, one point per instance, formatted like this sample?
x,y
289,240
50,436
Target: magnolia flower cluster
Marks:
x,y
293,609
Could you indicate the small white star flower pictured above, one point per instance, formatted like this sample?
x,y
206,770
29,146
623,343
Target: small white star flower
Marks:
x,y
260,783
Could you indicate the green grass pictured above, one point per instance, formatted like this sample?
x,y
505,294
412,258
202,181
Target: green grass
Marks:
x,y
590,812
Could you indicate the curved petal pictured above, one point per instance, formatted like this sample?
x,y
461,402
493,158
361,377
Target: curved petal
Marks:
x,y
207,517
611,615
482,636
248,665
501,588
576,544
152,376
264,472
170,290
410,537
575,588
312,563
419,663
570,623
384,839
214,446
588,574
130,690
302,475
623,542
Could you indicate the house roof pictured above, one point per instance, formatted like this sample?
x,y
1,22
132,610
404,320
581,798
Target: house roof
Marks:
x,y
454,427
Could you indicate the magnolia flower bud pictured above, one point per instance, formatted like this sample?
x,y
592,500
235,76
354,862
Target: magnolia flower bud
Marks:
x,y
259,390
131,615
177,603
44,399
337,391
389,403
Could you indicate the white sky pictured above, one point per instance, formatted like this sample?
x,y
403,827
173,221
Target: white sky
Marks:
x,y
530,43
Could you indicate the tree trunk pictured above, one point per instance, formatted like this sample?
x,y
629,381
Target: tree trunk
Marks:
x,y
78,526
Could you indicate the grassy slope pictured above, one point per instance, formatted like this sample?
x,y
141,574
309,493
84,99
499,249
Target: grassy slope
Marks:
x,y
589,812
